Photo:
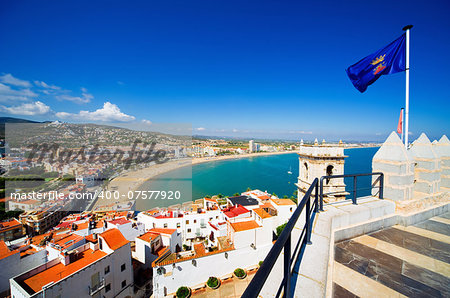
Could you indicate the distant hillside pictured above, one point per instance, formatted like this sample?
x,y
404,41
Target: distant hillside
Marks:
x,y
4,120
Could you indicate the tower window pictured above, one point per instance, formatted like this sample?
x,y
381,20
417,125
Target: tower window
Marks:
x,y
329,172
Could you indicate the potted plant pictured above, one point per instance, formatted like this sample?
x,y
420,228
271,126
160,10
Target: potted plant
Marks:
x,y
183,292
240,273
213,283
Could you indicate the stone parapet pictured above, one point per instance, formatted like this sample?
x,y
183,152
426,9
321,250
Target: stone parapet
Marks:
x,y
442,149
393,161
427,170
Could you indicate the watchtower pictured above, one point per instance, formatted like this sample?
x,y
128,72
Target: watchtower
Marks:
x,y
316,161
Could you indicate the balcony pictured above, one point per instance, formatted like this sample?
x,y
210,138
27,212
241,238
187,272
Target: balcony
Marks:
x,y
97,288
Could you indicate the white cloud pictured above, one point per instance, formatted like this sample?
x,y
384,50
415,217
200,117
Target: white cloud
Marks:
x,y
84,98
109,112
200,128
29,109
302,132
10,80
235,130
7,94
46,86
147,122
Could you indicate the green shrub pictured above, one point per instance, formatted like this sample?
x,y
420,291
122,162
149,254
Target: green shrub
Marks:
x,y
212,282
183,292
239,272
260,263
280,229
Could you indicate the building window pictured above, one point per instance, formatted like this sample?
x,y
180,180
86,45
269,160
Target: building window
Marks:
x,y
290,209
108,288
195,221
187,222
165,226
217,217
107,270
124,283
189,230
210,218
122,268
178,225
100,244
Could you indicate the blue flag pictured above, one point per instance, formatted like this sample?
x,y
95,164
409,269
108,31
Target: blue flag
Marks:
x,y
390,59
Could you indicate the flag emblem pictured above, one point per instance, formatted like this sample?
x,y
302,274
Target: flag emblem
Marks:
x,y
388,60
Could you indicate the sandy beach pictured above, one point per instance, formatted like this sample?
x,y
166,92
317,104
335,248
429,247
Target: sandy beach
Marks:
x,y
132,180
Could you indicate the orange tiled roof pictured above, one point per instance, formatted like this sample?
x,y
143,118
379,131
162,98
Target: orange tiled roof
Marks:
x,y
9,224
114,238
160,251
5,251
263,197
266,205
27,252
119,221
67,241
38,238
158,261
199,249
61,271
244,225
83,225
262,213
163,231
90,238
148,237
283,202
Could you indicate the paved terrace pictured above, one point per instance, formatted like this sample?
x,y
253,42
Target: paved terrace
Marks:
x,y
395,262
370,224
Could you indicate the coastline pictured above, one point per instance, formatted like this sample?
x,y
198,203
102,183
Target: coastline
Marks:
x,y
132,180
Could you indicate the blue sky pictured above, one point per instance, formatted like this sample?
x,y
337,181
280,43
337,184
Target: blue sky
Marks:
x,y
263,69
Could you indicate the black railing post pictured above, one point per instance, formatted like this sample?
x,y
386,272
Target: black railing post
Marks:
x,y
321,194
354,190
380,193
316,201
287,268
308,220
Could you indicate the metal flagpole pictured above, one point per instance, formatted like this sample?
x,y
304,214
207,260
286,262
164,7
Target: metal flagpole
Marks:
x,y
407,29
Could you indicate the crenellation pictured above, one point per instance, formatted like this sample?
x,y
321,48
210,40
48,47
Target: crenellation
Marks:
x,y
442,149
393,160
427,170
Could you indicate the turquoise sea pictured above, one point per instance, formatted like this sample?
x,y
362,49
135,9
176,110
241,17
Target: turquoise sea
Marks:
x,y
236,175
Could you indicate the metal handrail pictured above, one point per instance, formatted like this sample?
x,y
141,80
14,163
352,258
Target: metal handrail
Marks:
x,y
379,179
284,243
284,240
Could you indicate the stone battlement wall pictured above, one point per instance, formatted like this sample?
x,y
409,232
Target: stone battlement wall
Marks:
x,y
416,170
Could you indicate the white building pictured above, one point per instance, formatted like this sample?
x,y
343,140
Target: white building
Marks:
x,y
156,243
16,259
99,268
285,208
128,229
190,225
